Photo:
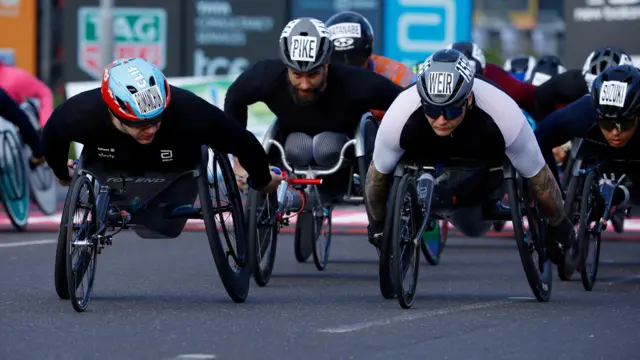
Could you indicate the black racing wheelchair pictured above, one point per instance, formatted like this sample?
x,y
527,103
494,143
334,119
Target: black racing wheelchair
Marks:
x,y
413,207
598,185
100,203
300,195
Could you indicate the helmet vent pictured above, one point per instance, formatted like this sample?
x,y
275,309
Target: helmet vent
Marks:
x,y
132,89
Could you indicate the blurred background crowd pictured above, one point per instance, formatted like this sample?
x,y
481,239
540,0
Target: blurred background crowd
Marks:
x,y
60,41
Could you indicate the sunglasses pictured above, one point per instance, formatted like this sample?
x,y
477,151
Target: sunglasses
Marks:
x,y
620,124
139,124
449,112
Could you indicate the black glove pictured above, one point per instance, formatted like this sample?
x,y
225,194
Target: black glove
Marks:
x,y
559,240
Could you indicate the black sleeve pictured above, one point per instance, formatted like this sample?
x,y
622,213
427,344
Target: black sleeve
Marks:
x,y
572,121
559,90
378,92
11,112
65,125
221,133
246,90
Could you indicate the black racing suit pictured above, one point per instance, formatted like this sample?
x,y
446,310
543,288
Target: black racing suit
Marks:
x,y
188,123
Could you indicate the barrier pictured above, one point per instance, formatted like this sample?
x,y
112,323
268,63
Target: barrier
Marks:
x,y
212,89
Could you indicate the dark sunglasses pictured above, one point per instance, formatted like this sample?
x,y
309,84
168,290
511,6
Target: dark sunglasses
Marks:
x,y
449,112
620,124
139,124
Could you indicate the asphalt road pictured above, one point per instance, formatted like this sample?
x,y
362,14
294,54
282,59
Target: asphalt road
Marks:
x,y
162,299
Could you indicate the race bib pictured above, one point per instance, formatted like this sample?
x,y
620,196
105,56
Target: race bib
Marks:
x,y
539,79
613,93
345,30
304,48
148,100
440,83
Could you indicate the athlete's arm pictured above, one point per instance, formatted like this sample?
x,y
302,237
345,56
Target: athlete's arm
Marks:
x,y
11,112
522,149
387,152
522,93
219,132
376,91
67,124
573,120
247,89
559,90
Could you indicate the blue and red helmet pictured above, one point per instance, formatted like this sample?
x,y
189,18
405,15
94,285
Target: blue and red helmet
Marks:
x,y
136,91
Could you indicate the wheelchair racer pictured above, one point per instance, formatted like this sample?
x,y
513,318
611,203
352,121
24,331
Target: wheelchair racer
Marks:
x,y
10,111
609,116
450,112
21,86
547,67
520,67
353,37
318,105
135,118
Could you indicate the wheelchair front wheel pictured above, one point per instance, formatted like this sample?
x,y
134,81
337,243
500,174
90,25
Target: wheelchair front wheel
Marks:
x,y
220,198
262,230
591,207
78,232
322,243
405,252
533,254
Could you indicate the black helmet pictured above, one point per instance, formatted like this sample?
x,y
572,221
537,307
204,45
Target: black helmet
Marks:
x,y
305,44
602,59
547,67
445,78
352,37
520,67
473,53
616,92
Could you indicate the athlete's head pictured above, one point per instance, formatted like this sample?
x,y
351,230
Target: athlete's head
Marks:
x,y
616,96
136,93
473,53
520,67
305,49
352,37
444,84
547,67
602,59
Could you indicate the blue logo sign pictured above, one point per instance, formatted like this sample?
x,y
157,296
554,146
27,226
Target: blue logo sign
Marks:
x,y
414,29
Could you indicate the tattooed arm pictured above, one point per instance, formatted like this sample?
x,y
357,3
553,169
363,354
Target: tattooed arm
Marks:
x,y
549,197
377,192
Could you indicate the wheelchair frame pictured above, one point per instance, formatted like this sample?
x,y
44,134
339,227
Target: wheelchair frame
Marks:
x,y
95,236
312,218
392,272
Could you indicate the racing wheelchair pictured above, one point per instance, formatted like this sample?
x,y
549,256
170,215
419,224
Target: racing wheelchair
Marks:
x,y
100,203
299,194
591,200
14,184
414,205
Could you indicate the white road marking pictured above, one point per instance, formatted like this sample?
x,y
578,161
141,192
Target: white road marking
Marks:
x,y
410,316
626,279
195,357
521,298
27,243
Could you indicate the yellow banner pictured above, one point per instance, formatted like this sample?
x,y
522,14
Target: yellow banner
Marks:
x,y
18,39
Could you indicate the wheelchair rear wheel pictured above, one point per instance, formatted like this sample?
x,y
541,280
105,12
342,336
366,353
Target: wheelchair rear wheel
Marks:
x,y
78,240
591,206
262,230
405,252
533,254
14,189
223,216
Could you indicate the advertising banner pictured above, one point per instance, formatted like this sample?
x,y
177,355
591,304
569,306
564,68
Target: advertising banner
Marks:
x,y
212,89
225,37
592,24
18,38
139,31
414,29
324,9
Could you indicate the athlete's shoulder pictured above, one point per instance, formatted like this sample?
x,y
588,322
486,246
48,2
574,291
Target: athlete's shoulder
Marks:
x,y
263,74
89,100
